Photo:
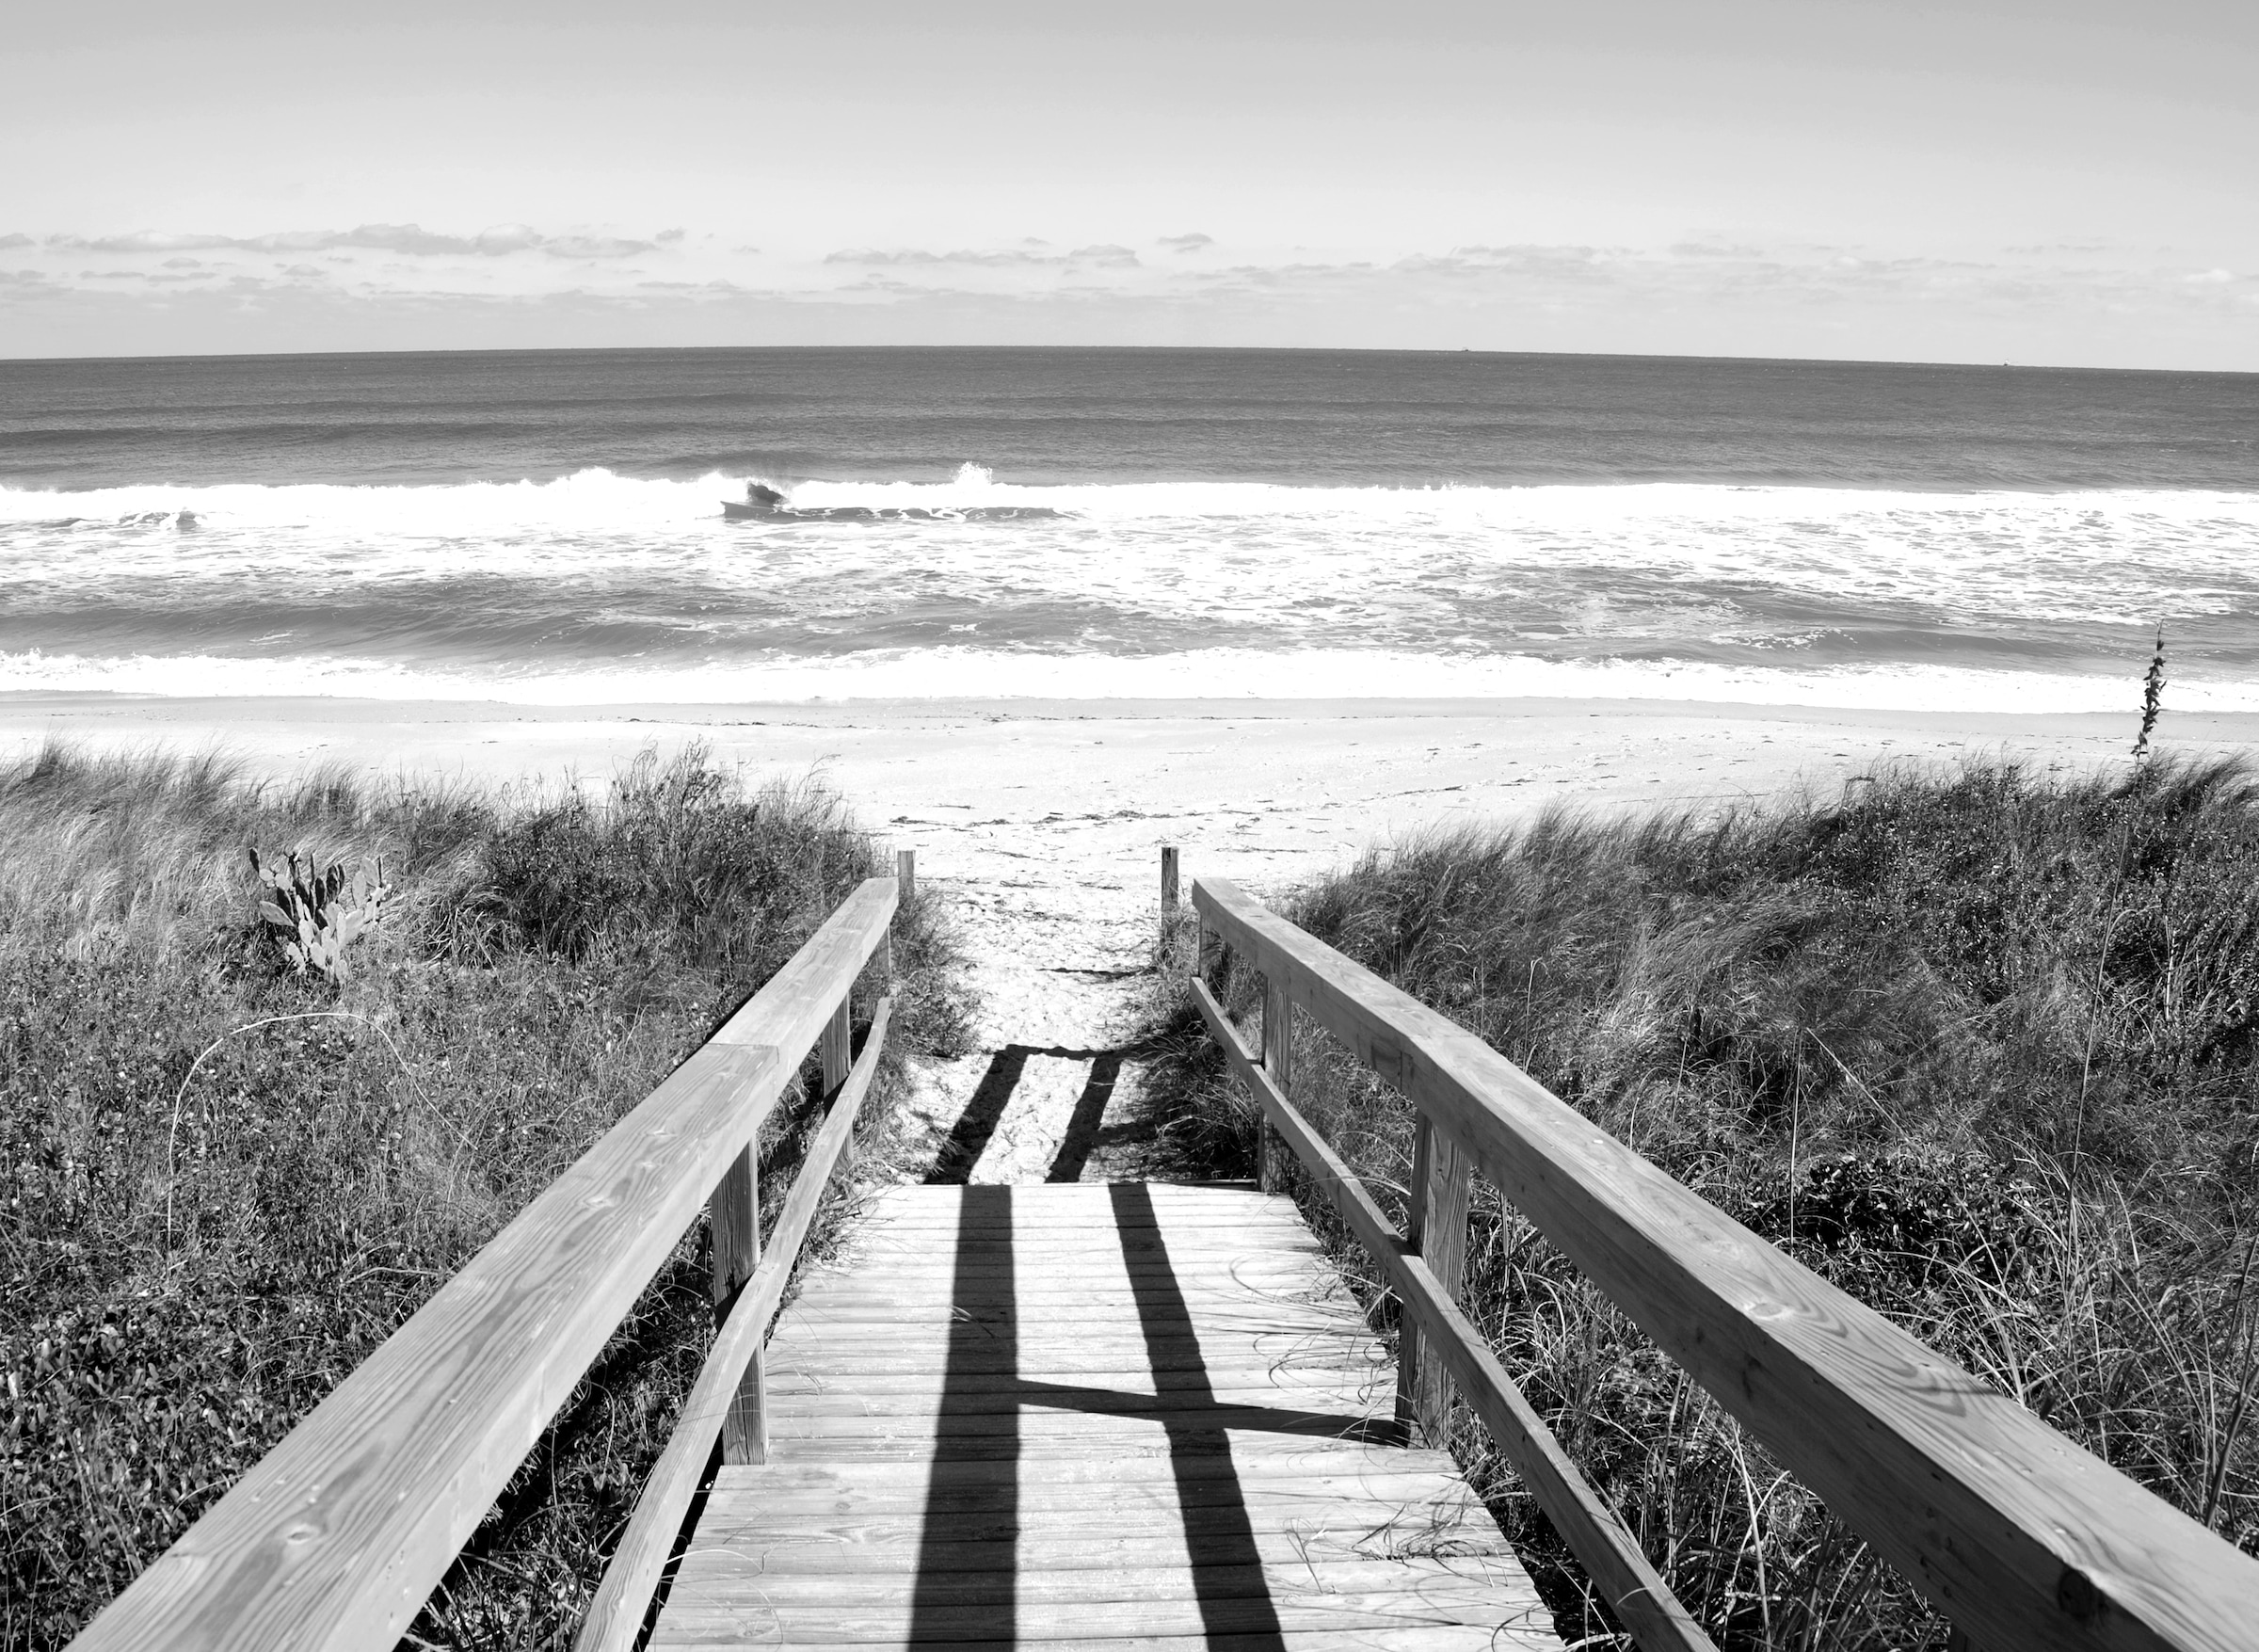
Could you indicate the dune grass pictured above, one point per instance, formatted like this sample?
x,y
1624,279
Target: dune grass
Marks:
x,y
225,1182
1978,1045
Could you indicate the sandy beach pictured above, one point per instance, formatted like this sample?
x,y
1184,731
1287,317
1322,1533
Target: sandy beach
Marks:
x,y
1043,819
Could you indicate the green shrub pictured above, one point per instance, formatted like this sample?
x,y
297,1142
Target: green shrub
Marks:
x,y
225,1184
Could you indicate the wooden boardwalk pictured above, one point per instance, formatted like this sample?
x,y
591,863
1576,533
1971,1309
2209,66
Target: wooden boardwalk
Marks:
x,y
1094,1414
1096,1417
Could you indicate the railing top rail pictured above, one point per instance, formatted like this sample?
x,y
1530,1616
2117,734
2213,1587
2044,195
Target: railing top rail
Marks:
x,y
338,1535
2007,1526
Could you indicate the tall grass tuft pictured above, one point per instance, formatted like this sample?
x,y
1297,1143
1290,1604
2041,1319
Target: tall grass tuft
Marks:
x,y
1981,1047
226,1181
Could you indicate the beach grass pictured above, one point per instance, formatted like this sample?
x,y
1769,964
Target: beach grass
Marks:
x,y
229,1180
1981,1046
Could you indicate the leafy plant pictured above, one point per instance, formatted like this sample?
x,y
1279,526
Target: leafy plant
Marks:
x,y
316,911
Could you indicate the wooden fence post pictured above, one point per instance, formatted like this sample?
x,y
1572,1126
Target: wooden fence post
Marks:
x,y
1408,1355
1447,1183
1278,1060
905,890
835,1049
735,1216
1169,909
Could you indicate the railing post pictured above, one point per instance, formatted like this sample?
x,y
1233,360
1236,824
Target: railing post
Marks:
x,y
835,1050
735,1218
905,890
1436,1226
1416,1227
1278,1060
1169,909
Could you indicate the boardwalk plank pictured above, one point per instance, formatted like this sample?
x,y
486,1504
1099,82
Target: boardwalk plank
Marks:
x,y
1433,1581
1091,1419
860,1550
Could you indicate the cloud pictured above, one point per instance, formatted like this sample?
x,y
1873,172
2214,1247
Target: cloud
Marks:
x,y
1713,250
143,241
413,240
594,247
392,285
881,258
1105,257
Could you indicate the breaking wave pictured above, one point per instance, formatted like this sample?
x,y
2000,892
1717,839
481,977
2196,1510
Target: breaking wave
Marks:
x,y
598,587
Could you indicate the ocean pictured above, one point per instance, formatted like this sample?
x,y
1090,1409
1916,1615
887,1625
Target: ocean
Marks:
x,y
547,527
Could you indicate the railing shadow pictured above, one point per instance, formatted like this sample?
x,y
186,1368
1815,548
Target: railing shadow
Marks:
x,y
974,1492
975,1128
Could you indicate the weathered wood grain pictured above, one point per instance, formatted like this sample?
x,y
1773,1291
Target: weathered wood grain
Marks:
x,y
1076,1216
1626,1580
1418,1638
1099,1584
877,1386
1347,1397
862,1551
1181,1356
1415,1222
2024,1540
735,1222
1442,1246
615,1615
1251,1462
1462,1603
1032,1426
1105,1415
835,1046
1279,1059
1047,1311
1448,1638
1286,1294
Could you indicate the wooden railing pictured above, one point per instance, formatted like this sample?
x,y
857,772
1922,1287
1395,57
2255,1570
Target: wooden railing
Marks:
x,y
336,1537
2017,1535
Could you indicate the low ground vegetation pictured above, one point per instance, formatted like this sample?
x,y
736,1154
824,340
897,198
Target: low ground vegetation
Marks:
x,y
228,1177
1982,1046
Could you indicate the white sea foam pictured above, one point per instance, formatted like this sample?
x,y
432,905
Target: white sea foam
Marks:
x,y
536,591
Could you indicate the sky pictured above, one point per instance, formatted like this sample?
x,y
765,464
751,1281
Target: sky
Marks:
x,y
2066,183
